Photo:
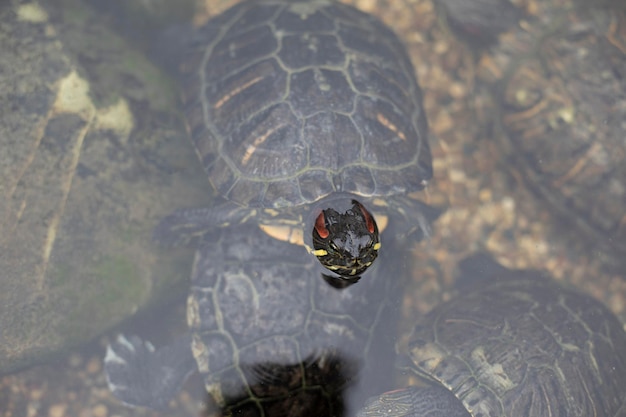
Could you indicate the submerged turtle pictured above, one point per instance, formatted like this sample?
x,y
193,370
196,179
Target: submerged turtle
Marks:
x,y
556,76
269,336
303,113
307,118
521,345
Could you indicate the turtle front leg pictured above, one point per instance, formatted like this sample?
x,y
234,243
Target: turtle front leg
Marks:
x,y
140,375
414,220
185,226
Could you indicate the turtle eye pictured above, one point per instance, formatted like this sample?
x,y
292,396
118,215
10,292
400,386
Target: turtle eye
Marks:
x,y
320,226
369,219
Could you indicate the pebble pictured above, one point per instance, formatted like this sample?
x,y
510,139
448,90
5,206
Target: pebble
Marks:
x,y
100,410
57,410
94,365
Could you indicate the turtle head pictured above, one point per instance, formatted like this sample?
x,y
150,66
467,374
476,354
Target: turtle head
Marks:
x,y
346,240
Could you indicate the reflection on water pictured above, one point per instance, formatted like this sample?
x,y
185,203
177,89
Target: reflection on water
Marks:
x,y
488,210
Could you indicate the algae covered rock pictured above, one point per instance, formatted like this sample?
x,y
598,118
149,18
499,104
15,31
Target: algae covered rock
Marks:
x,y
92,155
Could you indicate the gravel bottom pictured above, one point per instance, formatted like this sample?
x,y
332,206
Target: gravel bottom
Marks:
x,y
488,210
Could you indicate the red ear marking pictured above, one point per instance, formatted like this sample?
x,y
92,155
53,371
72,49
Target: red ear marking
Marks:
x,y
369,220
320,226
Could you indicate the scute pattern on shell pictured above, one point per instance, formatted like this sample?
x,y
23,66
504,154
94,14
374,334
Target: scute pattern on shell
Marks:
x,y
266,326
559,83
539,349
289,101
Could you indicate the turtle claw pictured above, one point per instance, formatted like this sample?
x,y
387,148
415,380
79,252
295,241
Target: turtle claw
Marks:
x,y
185,227
140,375
182,228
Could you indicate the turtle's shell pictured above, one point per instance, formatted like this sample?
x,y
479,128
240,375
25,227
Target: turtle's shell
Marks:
x,y
525,347
288,102
558,83
271,337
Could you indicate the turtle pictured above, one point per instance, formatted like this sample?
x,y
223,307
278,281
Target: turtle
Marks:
x,y
515,343
552,83
267,333
308,120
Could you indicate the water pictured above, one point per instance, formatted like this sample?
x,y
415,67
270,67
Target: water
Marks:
x,y
489,208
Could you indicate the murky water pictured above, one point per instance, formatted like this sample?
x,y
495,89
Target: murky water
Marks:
x,y
100,173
